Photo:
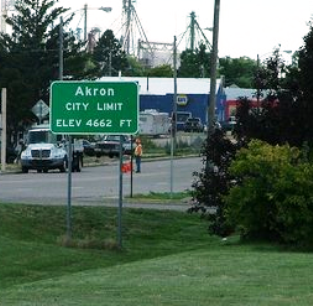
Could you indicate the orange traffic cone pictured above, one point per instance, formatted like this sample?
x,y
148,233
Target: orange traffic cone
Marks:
x,y
126,166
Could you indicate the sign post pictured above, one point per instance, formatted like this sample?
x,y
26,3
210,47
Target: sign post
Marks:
x,y
110,108
40,109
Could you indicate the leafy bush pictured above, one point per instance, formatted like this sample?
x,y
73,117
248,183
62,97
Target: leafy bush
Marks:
x,y
273,196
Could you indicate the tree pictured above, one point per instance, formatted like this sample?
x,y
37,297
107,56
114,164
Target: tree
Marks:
x,y
195,64
135,67
109,55
280,117
305,76
269,122
30,58
214,181
239,71
272,199
165,71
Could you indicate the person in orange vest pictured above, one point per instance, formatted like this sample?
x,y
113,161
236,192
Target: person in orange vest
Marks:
x,y
138,154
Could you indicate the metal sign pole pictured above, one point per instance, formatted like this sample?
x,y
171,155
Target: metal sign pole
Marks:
x,y
69,190
120,198
131,166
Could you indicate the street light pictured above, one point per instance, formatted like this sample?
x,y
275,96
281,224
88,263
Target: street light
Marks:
x,y
106,9
102,8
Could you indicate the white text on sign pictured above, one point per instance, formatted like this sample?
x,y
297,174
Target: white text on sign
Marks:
x,y
91,122
82,106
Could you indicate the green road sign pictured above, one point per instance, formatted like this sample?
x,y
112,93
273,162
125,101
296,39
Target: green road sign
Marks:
x,y
94,107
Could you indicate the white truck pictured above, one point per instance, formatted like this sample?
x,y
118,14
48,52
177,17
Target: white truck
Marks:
x,y
45,151
153,123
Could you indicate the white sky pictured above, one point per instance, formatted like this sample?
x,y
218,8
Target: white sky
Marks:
x,y
247,27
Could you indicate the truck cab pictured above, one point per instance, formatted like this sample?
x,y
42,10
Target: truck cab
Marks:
x,y
44,151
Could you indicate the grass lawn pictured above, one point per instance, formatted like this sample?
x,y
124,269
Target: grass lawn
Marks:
x,y
168,259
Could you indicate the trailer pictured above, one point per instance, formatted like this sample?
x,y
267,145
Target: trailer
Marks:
x,y
153,123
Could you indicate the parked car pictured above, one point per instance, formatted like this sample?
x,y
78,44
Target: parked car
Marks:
x,y
217,126
182,117
11,154
193,125
88,147
110,146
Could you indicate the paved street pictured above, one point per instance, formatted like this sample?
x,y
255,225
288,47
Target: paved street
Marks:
x,y
97,185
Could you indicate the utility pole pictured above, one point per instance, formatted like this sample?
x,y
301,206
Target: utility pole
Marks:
x,y
174,116
3,98
3,128
174,127
214,59
258,94
85,23
61,49
70,148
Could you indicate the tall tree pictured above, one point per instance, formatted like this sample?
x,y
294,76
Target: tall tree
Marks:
x,y
29,57
305,76
195,64
135,67
109,55
165,71
239,71
285,113
284,117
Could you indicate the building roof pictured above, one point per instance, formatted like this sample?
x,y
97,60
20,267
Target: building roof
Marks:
x,y
235,93
163,86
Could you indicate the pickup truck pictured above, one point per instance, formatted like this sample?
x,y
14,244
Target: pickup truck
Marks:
x,y
193,125
110,146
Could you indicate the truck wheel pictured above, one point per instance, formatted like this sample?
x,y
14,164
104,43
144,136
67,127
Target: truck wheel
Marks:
x,y
24,169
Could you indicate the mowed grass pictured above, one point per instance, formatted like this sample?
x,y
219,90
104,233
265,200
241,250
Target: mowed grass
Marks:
x,y
167,259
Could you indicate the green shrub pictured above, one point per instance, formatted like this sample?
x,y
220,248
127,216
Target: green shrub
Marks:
x,y
273,196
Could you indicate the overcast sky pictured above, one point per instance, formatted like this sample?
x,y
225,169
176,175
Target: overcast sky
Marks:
x,y
247,27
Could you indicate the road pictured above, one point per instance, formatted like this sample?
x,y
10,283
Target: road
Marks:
x,y
97,185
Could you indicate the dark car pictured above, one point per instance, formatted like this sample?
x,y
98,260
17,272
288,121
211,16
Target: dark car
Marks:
x,y
89,148
11,154
193,125
110,146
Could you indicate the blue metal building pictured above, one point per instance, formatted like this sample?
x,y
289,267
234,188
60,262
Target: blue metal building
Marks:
x,y
193,95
